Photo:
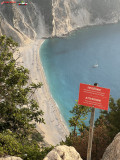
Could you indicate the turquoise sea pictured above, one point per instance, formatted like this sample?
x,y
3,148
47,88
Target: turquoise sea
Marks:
x,y
69,61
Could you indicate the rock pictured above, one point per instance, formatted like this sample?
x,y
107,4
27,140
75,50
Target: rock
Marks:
x,y
44,18
63,153
10,158
113,150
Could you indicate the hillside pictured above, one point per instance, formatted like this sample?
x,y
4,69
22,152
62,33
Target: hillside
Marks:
x,y
54,17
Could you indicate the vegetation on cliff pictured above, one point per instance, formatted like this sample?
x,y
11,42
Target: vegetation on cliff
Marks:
x,y
18,110
105,129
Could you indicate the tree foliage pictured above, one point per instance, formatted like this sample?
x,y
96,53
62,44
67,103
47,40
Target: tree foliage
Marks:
x,y
112,118
105,129
11,144
79,116
18,110
100,141
17,107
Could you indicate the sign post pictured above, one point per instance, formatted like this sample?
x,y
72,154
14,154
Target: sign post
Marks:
x,y
91,132
95,97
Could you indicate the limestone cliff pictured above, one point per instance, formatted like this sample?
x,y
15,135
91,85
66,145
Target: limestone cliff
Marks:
x,y
112,152
54,17
71,14
26,22
63,153
10,158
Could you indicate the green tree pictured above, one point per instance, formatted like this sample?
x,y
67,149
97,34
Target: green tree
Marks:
x,y
79,115
101,140
105,129
17,106
112,117
11,144
18,110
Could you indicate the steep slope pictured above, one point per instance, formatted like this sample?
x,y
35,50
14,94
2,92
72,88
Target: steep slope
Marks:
x,y
26,22
55,17
71,14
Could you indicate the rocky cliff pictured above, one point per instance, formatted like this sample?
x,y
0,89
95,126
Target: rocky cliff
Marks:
x,y
69,153
112,152
10,158
71,14
54,17
26,22
63,153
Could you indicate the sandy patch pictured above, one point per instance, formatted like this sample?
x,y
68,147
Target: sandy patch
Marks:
x,y
55,128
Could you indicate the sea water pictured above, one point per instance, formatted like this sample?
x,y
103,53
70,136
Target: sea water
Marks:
x,y
69,61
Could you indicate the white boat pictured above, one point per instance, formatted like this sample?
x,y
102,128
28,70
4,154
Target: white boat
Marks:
x,y
95,65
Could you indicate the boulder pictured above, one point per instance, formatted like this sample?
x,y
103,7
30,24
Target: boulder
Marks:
x,y
63,153
113,150
10,158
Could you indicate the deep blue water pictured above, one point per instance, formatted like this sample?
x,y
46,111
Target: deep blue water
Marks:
x,y
69,61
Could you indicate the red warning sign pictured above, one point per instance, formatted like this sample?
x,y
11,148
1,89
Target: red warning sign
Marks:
x,y
93,96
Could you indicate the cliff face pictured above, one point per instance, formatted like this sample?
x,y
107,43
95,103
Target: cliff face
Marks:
x,y
54,17
26,22
63,152
112,152
71,14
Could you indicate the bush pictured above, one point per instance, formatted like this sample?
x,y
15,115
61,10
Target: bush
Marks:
x,y
37,136
1,151
9,145
18,109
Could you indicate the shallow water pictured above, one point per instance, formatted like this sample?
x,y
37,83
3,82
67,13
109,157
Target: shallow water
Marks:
x,y
69,61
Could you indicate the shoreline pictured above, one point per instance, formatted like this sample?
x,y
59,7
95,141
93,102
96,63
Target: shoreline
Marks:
x,y
55,129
